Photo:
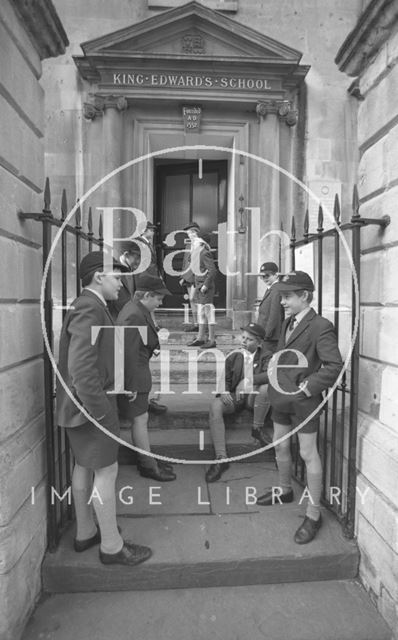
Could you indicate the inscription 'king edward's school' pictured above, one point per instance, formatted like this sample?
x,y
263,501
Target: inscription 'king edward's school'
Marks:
x,y
168,80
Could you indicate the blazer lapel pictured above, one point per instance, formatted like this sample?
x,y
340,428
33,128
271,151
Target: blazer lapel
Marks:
x,y
301,326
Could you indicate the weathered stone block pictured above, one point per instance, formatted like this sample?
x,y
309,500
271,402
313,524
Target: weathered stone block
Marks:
x,y
378,276
379,512
379,338
377,455
18,80
15,196
375,112
16,536
16,137
20,588
369,387
21,336
389,398
382,205
374,70
378,166
24,275
21,396
19,35
379,563
22,466
388,608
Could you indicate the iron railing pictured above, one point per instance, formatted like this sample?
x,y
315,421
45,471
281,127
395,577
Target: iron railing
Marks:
x,y
58,453
337,439
338,434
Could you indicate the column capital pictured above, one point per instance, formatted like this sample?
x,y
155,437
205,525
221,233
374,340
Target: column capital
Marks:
x,y
282,108
99,104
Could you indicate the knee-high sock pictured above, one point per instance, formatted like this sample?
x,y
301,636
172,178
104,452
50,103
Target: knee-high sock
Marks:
x,y
105,509
260,407
314,484
217,430
140,438
284,461
82,484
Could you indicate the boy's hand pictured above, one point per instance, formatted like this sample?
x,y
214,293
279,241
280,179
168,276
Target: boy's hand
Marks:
x,y
227,399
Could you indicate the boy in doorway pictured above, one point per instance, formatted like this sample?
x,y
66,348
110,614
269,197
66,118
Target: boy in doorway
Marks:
x,y
307,362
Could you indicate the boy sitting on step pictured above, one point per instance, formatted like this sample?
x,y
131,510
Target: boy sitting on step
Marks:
x,y
239,393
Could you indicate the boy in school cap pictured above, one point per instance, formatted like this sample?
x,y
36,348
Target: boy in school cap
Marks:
x,y
87,371
295,392
270,310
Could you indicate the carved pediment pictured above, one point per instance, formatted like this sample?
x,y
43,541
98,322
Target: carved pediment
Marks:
x,y
191,30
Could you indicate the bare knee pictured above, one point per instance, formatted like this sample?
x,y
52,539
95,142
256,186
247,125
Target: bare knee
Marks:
x,y
215,407
107,473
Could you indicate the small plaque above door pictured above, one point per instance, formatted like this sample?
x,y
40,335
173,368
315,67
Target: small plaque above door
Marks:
x,y
192,115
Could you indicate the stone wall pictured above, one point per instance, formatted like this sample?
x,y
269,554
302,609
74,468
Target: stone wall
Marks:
x,y
22,428
304,25
376,64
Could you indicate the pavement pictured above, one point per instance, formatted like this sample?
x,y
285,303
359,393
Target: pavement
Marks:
x,y
222,569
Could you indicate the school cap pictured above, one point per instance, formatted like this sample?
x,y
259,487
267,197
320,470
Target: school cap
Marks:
x,y
130,247
192,225
255,330
295,281
268,266
145,282
95,261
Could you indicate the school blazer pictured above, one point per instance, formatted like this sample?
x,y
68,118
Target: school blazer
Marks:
x,y
234,368
271,314
126,293
207,267
314,337
137,374
87,369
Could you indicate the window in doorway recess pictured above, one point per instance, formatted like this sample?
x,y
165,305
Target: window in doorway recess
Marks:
x,y
227,6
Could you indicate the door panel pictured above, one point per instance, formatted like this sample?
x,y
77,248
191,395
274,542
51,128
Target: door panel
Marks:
x,y
180,198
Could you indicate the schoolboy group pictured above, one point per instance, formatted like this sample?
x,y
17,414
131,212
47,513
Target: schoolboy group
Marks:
x,y
293,360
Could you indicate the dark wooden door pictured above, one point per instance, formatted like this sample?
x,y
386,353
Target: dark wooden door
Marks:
x,y
182,197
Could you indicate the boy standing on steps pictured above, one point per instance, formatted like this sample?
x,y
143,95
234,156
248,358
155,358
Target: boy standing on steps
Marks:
x,y
307,362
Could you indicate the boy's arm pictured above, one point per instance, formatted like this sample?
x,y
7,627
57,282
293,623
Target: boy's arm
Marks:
x,y
328,352
261,376
208,263
274,319
83,367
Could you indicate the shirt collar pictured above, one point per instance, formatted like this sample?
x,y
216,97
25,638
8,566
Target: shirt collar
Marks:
x,y
300,316
99,295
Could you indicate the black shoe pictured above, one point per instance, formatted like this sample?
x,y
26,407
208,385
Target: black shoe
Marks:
x,y
130,554
83,545
161,475
156,407
307,530
215,472
165,465
262,437
270,499
191,328
195,343
210,344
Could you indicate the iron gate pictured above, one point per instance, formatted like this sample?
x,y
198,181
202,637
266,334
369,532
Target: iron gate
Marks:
x,y
338,433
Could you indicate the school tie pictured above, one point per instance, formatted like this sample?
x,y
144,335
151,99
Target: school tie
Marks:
x,y
291,327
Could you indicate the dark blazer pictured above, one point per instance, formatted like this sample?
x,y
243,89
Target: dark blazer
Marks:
x,y
271,315
207,267
137,374
153,268
87,369
314,337
126,293
234,368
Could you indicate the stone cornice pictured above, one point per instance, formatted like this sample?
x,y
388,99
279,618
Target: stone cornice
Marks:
x,y
371,31
43,25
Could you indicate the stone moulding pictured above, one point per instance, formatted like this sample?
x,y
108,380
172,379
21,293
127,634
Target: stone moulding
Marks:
x,y
371,31
42,23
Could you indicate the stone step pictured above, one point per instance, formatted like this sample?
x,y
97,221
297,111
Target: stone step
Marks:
x,y
202,538
328,610
183,444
